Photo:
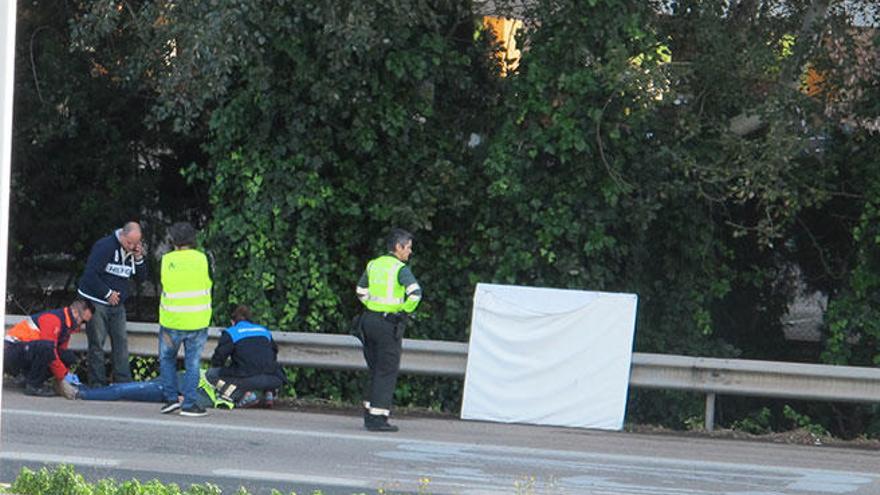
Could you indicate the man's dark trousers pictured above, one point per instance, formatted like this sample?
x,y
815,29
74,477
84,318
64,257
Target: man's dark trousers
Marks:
x,y
382,346
108,320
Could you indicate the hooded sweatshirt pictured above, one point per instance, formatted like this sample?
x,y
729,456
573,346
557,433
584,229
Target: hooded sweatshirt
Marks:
x,y
109,268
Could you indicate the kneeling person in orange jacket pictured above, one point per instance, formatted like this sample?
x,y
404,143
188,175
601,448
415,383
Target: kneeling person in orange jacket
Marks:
x,y
36,348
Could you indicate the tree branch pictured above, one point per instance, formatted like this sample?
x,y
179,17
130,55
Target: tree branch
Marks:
x,y
789,77
34,63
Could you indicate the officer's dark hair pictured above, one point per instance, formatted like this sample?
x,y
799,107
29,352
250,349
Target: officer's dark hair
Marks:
x,y
182,234
397,236
241,313
82,305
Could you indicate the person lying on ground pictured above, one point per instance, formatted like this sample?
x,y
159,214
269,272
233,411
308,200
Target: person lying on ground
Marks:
x,y
152,391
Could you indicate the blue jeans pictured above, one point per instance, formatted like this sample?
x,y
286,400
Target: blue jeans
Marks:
x,y
108,321
169,343
150,391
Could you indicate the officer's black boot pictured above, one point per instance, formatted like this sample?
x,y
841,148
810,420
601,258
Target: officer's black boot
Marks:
x,y
366,412
378,422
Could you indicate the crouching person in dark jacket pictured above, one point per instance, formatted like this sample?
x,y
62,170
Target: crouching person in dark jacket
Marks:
x,y
244,367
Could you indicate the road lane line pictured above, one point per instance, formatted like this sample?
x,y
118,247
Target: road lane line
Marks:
x,y
292,478
184,424
58,459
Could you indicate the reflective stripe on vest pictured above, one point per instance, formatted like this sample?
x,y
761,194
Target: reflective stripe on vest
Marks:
x,y
185,303
186,295
385,292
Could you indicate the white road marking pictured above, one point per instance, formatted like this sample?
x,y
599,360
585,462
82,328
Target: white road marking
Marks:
x,y
184,424
58,459
292,478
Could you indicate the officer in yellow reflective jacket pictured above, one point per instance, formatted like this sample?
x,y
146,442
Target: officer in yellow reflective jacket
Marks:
x,y
390,293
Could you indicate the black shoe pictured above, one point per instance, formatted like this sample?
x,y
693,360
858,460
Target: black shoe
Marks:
x,y
378,422
38,391
170,407
193,411
383,428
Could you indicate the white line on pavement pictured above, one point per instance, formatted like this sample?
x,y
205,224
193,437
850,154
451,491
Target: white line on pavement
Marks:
x,y
58,459
183,423
292,478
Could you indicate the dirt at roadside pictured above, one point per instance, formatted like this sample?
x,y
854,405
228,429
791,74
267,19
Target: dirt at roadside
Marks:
x,y
794,437
799,436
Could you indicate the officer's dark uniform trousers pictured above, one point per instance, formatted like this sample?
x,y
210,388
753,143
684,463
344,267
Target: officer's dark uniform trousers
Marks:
x,y
382,344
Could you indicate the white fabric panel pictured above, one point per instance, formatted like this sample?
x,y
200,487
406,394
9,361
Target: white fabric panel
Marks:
x,y
549,356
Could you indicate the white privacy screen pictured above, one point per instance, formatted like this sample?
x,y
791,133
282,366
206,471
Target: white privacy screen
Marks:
x,y
549,356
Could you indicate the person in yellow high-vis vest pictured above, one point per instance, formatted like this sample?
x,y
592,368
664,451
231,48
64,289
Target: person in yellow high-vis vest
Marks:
x,y
390,293
184,316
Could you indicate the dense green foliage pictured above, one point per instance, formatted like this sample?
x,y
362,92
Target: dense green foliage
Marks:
x,y
64,480
661,148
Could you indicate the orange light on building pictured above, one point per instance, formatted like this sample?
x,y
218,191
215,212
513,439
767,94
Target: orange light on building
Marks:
x,y
813,82
504,30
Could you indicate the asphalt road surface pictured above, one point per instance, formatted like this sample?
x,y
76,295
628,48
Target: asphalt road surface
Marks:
x,y
266,449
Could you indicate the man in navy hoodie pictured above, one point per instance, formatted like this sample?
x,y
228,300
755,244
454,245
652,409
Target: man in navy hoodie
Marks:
x,y
106,281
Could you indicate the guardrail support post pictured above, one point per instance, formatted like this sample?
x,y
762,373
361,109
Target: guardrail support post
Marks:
x,y
710,411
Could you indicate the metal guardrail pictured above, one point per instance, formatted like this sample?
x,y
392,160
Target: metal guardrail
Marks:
x,y
309,350
745,377
710,376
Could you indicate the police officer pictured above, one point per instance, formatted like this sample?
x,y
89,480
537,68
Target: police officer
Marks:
x,y
245,362
390,292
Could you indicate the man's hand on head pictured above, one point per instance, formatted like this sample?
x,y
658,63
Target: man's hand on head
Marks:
x,y
139,251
